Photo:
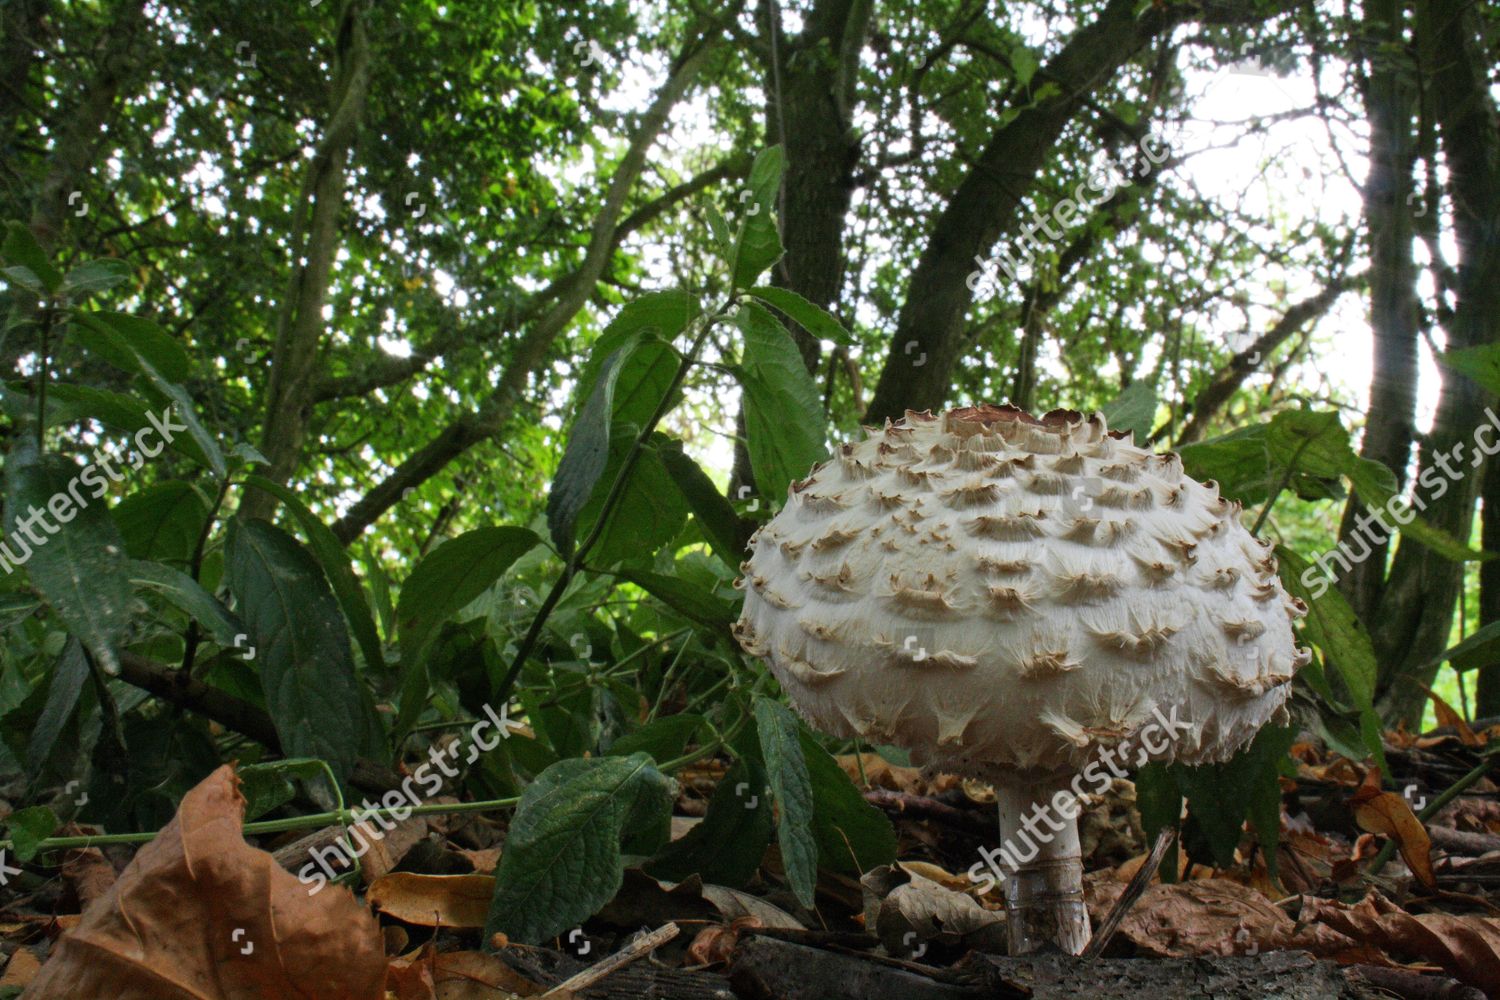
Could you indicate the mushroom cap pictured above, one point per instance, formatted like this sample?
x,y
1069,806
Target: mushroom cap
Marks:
x,y
1000,593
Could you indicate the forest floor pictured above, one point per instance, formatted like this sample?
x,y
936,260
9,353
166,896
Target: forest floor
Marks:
x,y
200,913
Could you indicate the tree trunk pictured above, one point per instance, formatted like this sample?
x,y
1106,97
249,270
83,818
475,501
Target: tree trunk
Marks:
x,y
296,362
1414,619
1487,694
1390,104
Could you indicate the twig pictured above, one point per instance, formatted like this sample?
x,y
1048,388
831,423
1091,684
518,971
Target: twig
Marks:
x,y
588,977
1132,892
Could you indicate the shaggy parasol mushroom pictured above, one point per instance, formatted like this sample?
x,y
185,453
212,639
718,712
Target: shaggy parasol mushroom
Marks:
x,y
1012,599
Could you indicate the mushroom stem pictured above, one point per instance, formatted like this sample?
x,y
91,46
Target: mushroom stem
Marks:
x,y
1044,895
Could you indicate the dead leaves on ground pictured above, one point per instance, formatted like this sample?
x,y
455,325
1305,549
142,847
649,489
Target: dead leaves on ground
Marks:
x,y
200,913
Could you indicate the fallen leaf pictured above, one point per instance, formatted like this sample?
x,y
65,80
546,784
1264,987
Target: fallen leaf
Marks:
x,y
484,861
1390,815
428,974
903,908
454,901
1468,947
1446,716
198,914
21,969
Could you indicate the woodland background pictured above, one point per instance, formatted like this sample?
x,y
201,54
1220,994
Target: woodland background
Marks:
x,y
498,326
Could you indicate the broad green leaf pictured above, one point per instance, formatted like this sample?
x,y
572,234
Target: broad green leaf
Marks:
x,y
792,788
1376,486
23,277
817,321
1482,364
94,276
188,596
118,411
28,828
758,244
784,420
301,646
331,555
162,522
1237,461
650,511
664,738
561,861
66,685
126,341
685,598
451,576
1133,410
586,455
77,564
727,847
1159,799
1331,624
21,249
1477,650
1024,62
715,514
650,321
852,835
1315,443
270,786
1222,796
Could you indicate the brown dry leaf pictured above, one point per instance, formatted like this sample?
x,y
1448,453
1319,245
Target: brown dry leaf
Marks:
x,y
1466,946
201,915
716,943
1204,917
1390,815
881,773
903,909
454,901
1447,716
89,872
484,861
21,969
388,845
475,975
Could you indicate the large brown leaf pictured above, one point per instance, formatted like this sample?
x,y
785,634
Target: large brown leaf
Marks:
x,y
1467,946
201,915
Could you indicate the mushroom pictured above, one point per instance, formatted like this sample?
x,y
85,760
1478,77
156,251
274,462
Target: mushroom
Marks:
x,y
1021,601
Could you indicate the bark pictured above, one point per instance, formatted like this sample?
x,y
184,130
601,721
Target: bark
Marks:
x,y
22,24
1390,105
1487,691
985,208
530,351
1414,618
1207,404
295,361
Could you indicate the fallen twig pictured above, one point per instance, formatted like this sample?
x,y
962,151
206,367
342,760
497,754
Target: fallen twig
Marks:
x,y
1132,892
588,977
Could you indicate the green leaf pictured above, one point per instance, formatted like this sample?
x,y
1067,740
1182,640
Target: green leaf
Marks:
x,y
331,555
1477,650
664,738
784,420
1133,410
162,522
791,787
1221,796
650,511
188,595
685,598
450,577
1025,64
80,567
715,514
586,456
23,277
1376,486
650,322
1331,624
1237,461
127,341
94,276
817,321
127,414
301,646
758,244
28,828
21,248
62,697
1482,364
561,861
852,835
727,847
269,786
